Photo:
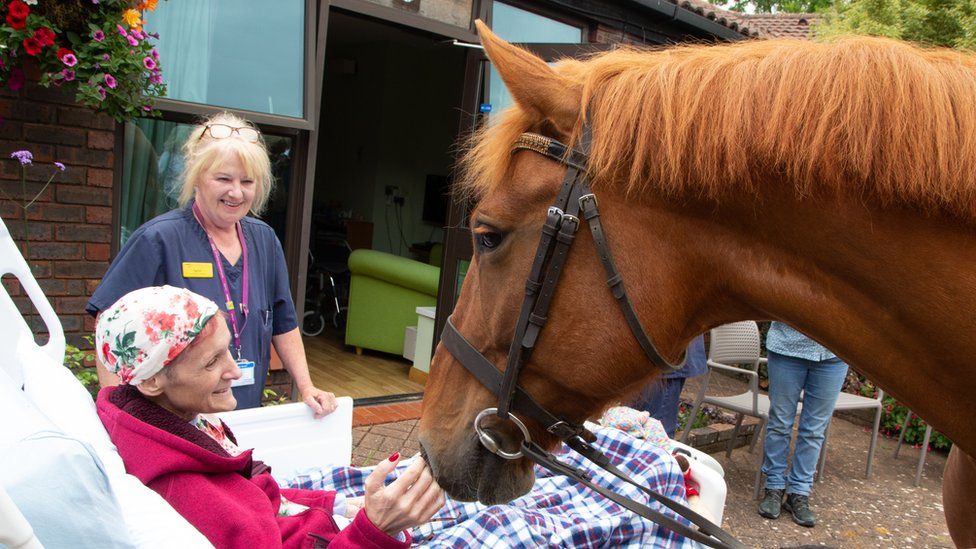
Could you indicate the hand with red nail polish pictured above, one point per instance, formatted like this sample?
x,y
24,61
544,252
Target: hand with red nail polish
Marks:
x,y
409,500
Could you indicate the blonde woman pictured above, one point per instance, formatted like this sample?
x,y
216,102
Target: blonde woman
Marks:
x,y
212,247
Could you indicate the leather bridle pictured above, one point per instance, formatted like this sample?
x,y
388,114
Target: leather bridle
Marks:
x,y
573,201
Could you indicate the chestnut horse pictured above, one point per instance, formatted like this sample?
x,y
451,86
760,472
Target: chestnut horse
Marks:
x,y
830,186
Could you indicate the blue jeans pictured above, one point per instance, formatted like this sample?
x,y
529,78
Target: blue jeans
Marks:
x,y
661,398
820,383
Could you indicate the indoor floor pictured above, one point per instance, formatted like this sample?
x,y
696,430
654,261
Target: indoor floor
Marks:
x,y
338,369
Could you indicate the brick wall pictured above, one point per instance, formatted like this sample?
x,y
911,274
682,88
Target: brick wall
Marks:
x,y
70,225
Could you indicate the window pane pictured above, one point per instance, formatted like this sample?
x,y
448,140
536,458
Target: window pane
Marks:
x,y
518,25
153,165
242,54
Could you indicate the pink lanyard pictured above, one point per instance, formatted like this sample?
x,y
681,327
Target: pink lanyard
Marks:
x,y
228,300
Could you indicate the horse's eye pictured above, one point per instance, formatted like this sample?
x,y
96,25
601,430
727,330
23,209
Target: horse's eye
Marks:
x,y
488,241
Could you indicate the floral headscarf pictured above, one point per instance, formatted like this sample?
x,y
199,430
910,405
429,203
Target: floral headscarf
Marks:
x,y
146,329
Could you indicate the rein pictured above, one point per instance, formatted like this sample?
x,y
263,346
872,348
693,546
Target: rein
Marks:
x,y
574,200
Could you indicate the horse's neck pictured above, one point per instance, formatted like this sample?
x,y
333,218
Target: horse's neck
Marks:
x,y
891,292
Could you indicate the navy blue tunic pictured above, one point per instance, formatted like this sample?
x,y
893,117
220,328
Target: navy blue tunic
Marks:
x,y
154,255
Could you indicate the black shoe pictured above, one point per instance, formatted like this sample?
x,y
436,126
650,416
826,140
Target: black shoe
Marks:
x,y
771,503
799,506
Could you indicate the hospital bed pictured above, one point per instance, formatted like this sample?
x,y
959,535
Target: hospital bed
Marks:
x,y
42,405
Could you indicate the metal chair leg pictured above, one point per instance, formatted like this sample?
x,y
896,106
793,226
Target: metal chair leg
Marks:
x,y
921,457
822,460
762,457
691,419
735,435
874,442
756,434
901,435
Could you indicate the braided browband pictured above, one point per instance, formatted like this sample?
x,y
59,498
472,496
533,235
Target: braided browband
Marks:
x,y
533,142
551,148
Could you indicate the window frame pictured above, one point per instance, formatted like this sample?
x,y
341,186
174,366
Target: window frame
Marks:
x,y
309,105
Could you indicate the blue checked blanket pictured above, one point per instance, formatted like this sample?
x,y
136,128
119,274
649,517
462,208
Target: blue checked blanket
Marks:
x,y
557,512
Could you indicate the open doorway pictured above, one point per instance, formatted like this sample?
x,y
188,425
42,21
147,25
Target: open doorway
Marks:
x,y
390,115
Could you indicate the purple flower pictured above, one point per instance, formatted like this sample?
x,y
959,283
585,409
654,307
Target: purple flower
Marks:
x,y
110,81
132,40
68,75
59,166
155,54
147,108
138,34
156,78
24,157
149,63
101,92
69,59
121,30
98,36
105,57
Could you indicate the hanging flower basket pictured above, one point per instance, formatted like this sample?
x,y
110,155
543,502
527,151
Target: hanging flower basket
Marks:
x,y
96,48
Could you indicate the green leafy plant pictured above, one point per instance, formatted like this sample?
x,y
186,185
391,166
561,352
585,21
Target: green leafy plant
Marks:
x,y
706,415
95,47
77,361
893,415
270,397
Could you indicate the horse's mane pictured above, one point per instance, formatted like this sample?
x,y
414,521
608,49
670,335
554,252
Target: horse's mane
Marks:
x,y
867,117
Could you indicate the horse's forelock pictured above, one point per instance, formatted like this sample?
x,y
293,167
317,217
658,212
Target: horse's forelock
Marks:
x,y
864,117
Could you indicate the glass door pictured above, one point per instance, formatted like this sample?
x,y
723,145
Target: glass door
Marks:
x,y
484,95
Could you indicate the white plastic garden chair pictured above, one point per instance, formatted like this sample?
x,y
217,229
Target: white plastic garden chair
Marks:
x,y
739,343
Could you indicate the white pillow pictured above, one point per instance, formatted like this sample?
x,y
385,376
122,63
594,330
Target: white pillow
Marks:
x,y
45,472
54,390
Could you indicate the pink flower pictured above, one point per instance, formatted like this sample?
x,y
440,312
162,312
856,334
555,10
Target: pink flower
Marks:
x,y
105,57
68,75
147,108
101,92
155,54
132,40
16,80
98,36
156,78
69,59
149,63
110,81
121,30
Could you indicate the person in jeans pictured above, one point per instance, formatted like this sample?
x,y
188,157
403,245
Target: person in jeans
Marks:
x,y
661,397
797,364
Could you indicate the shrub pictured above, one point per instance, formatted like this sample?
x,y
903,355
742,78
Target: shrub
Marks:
x,y
75,360
893,415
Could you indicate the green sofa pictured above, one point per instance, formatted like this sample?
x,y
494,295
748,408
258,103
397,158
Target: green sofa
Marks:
x,y
384,293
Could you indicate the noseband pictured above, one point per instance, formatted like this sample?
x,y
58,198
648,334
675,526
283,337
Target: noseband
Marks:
x,y
573,201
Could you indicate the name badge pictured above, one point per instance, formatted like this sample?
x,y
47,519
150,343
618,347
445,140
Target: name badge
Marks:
x,y
197,270
247,374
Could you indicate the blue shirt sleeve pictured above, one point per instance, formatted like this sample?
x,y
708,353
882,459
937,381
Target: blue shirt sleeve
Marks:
x,y
139,264
284,317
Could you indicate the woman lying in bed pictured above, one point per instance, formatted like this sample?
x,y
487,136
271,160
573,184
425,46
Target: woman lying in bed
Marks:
x,y
169,346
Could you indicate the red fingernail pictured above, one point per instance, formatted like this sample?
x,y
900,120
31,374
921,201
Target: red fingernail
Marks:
x,y
394,456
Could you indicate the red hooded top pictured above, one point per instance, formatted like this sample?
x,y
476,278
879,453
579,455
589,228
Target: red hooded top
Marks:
x,y
233,501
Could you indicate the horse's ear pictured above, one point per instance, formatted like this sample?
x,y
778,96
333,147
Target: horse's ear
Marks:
x,y
532,83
